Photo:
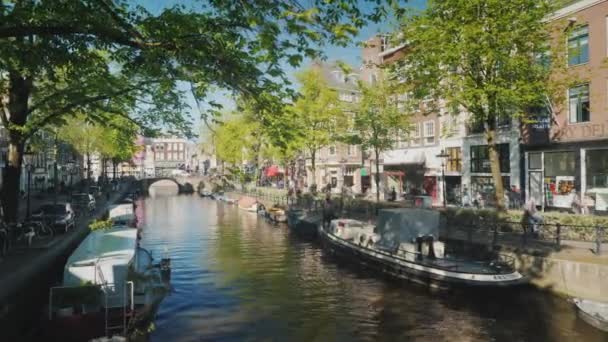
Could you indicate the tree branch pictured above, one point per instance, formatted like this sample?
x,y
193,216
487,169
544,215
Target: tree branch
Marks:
x,y
36,125
114,36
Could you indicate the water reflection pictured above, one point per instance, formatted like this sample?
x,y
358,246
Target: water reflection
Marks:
x,y
239,278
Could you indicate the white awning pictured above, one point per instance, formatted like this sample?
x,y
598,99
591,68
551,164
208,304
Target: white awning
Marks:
x,y
405,156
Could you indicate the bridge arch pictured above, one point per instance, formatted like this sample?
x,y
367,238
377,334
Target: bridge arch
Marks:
x,y
184,184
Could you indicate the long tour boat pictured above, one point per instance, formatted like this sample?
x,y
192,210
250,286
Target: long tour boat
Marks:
x,y
110,287
405,245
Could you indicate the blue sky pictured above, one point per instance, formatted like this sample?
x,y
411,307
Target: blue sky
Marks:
x,y
351,54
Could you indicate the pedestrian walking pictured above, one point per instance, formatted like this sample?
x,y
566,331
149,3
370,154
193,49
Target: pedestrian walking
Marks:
x,y
328,211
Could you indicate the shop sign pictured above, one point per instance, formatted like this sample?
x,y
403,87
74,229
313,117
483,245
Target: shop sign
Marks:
x,y
598,130
541,124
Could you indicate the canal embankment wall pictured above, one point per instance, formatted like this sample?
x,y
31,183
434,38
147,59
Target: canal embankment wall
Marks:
x,y
27,275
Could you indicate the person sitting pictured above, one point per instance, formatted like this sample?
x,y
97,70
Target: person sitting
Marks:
x,y
532,217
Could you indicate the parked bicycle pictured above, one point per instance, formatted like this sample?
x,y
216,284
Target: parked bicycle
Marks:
x,y
20,233
40,227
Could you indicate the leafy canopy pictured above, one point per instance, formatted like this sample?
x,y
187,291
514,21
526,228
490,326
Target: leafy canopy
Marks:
x,y
317,114
377,118
477,54
110,56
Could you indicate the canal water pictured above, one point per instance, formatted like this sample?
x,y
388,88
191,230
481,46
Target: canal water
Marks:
x,y
236,277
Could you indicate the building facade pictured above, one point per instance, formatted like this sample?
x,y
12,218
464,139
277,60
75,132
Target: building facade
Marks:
x,y
341,165
440,142
169,154
566,152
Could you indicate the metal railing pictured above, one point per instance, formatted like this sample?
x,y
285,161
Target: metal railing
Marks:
x,y
520,234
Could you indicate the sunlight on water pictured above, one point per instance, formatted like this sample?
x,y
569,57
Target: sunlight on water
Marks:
x,y
238,278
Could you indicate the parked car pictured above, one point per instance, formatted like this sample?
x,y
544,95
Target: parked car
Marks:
x,y
84,202
59,216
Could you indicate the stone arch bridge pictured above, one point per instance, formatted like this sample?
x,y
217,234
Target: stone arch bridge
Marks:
x,y
184,184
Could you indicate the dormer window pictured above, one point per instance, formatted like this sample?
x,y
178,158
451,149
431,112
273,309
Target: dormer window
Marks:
x,y
339,76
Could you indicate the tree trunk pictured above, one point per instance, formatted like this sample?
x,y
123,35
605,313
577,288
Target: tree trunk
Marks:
x,y
313,166
10,184
88,171
495,167
18,98
377,177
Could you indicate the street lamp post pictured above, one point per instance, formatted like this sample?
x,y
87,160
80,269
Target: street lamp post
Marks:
x,y
443,155
28,157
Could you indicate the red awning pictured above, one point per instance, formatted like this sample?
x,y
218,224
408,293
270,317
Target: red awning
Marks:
x,y
272,171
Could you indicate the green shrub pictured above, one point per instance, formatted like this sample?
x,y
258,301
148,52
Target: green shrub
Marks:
x,y
100,224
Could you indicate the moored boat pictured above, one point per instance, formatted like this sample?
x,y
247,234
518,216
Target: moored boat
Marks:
x,y
205,193
248,204
592,312
303,223
277,215
110,285
405,245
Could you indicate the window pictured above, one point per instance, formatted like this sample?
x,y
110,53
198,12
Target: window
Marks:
x,y
578,46
338,76
597,168
579,103
402,139
560,164
429,132
384,43
352,150
417,133
332,150
454,160
535,161
480,158
181,147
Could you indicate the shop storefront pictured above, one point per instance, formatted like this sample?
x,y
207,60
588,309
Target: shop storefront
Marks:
x,y
568,178
595,176
481,182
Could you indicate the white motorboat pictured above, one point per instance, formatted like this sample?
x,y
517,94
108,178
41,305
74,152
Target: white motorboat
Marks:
x,y
109,284
405,245
592,312
122,214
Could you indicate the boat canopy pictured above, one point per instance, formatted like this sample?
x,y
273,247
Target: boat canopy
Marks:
x,y
406,224
103,257
122,213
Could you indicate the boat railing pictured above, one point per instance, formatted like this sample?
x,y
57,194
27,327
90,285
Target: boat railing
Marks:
x,y
419,258
69,297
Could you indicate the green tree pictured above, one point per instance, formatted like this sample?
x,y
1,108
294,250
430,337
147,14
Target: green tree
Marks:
x,y
60,57
317,115
235,140
478,55
86,137
119,143
377,121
